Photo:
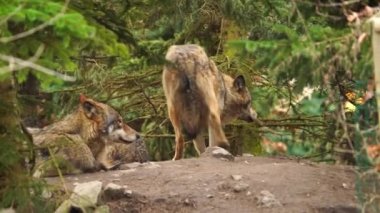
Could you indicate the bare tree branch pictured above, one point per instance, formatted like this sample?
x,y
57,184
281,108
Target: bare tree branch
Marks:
x,y
23,63
338,4
33,59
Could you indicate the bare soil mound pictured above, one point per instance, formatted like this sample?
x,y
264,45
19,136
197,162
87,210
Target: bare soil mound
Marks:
x,y
247,184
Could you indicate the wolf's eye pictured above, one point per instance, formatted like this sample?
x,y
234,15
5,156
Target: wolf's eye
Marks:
x,y
118,123
247,104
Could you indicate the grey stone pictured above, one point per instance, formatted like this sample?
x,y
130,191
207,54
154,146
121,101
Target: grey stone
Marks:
x,y
240,187
113,192
102,209
87,192
152,165
133,165
9,210
267,200
218,152
224,186
237,177
84,195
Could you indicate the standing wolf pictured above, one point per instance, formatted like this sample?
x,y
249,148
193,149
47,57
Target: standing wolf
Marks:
x,y
199,96
75,143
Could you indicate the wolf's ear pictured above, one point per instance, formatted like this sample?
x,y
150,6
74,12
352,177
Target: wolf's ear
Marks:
x,y
89,108
82,98
239,82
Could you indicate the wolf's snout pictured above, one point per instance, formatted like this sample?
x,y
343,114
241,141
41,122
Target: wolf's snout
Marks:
x,y
251,116
129,138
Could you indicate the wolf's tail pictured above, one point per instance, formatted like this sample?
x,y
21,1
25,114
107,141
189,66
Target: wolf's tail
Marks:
x,y
189,61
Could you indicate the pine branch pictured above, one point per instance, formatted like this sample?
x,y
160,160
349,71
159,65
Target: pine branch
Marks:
x,y
37,28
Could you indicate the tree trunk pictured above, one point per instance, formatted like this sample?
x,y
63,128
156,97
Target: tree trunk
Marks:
x,y
13,174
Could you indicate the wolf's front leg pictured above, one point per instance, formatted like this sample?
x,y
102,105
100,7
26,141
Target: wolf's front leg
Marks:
x,y
80,155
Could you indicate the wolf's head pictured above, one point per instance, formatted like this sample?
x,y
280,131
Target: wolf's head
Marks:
x,y
109,123
238,100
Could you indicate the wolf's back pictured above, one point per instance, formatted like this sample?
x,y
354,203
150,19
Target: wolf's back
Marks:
x,y
186,63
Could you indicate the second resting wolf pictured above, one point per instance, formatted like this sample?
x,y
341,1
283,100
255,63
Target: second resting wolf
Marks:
x,y
199,96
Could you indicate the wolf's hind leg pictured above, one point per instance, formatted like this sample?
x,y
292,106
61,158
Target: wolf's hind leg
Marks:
x,y
179,141
199,143
216,133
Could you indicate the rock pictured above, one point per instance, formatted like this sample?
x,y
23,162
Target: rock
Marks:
x,y
113,192
127,171
345,186
240,187
66,206
209,196
46,193
224,186
133,165
116,175
249,193
84,195
173,194
160,200
227,196
218,152
128,193
187,201
152,165
267,199
102,209
9,210
87,192
237,177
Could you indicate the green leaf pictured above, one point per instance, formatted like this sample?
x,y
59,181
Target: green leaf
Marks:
x,y
34,15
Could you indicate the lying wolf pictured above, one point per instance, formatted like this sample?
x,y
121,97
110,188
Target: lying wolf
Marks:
x,y
74,143
199,96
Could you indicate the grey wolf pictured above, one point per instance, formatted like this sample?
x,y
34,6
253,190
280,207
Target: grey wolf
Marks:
x,y
199,96
73,143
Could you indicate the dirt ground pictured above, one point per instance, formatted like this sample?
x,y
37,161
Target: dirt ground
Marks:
x,y
209,184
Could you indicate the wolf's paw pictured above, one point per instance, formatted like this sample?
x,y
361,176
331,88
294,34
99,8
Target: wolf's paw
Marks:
x,y
111,165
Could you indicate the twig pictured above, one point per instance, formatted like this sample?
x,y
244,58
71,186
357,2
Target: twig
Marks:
x,y
58,170
302,19
146,97
159,136
338,4
220,36
34,58
93,57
